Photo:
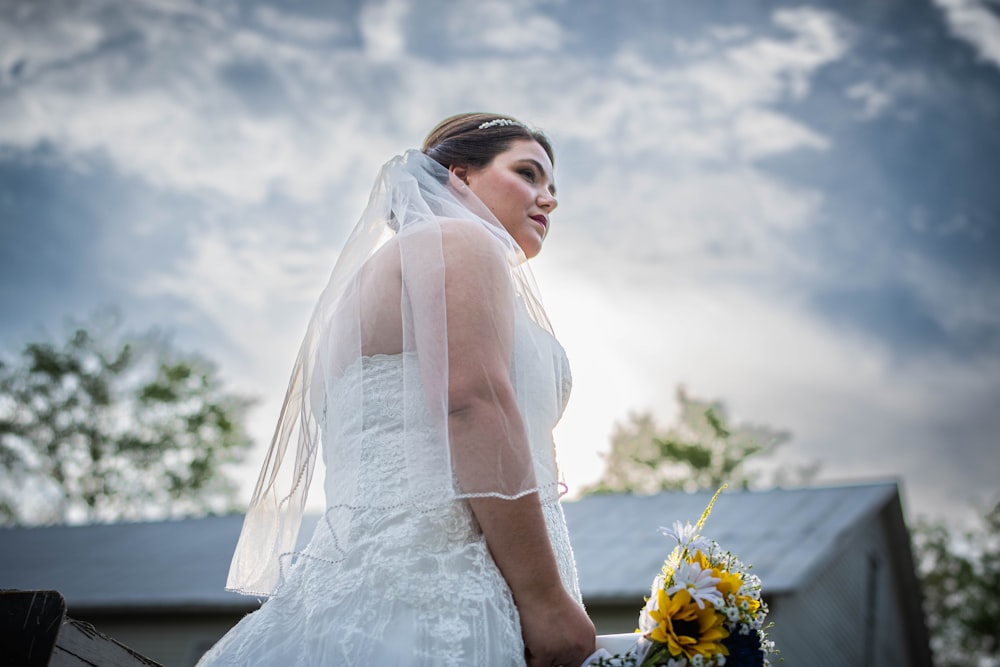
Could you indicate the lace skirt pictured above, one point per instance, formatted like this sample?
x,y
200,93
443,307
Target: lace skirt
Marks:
x,y
420,591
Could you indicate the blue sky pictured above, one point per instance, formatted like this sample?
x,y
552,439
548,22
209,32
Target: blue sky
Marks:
x,y
787,206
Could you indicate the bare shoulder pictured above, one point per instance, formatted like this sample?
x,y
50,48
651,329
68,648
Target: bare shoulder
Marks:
x,y
470,239
462,228
466,249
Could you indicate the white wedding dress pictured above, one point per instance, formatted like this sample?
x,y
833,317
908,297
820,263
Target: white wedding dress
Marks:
x,y
417,584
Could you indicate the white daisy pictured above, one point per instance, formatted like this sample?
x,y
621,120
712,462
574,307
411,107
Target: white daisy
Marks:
x,y
686,537
699,583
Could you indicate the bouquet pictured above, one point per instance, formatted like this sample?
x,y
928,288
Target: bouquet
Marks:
x,y
705,610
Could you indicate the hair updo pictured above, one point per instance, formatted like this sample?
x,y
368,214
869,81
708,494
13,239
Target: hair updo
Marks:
x,y
458,141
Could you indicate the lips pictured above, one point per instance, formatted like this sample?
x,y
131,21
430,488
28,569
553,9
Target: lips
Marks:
x,y
542,220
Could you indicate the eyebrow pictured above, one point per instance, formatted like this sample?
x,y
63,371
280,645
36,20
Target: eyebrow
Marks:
x,y
541,170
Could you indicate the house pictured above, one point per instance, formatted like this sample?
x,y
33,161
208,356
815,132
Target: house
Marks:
x,y
835,562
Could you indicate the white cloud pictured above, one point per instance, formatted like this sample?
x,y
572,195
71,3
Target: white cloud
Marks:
x,y
761,133
974,22
875,100
257,285
769,70
684,113
383,29
688,225
298,28
33,38
849,406
708,42
504,26
966,306
171,118
885,91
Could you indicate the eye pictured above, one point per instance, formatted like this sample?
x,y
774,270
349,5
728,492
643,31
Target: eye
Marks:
x,y
529,174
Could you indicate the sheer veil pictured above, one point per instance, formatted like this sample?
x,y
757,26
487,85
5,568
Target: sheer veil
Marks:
x,y
423,243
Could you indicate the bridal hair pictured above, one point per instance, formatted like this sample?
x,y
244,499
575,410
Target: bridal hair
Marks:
x,y
474,139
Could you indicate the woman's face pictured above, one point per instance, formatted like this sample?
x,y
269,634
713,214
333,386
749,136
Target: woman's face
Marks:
x,y
517,187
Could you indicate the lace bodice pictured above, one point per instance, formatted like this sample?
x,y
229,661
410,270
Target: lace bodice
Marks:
x,y
383,528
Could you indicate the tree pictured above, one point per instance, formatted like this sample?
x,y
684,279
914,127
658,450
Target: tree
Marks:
x,y
104,426
960,577
701,451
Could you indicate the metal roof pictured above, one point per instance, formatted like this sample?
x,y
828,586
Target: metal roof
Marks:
x,y
182,565
166,564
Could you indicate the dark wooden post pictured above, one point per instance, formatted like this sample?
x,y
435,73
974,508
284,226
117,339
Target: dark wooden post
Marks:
x,y
29,625
35,632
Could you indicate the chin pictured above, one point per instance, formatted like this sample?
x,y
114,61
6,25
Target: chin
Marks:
x,y
530,246
530,250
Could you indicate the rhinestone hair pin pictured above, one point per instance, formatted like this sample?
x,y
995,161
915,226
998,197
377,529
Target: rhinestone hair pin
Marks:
x,y
500,122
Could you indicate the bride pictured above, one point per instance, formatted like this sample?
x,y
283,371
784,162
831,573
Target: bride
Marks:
x,y
430,376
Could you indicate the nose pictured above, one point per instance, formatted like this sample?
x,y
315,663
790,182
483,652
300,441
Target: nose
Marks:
x,y
547,201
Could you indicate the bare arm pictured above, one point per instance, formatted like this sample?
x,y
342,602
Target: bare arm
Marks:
x,y
555,628
490,449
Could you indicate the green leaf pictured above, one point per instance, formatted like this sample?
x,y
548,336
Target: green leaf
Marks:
x,y
108,420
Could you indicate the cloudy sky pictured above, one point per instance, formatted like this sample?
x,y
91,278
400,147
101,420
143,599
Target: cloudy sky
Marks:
x,y
792,207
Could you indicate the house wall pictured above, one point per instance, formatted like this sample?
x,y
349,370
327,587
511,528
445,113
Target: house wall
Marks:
x,y
820,626
850,613
613,619
899,635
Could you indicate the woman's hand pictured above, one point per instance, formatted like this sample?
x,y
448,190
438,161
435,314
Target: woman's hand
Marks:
x,y
556,630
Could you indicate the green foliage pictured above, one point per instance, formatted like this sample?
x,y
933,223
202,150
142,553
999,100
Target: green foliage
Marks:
x,y
702,450
104,426
960,577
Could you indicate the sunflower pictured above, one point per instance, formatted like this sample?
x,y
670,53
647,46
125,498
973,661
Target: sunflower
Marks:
x,y
729,583
686,629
